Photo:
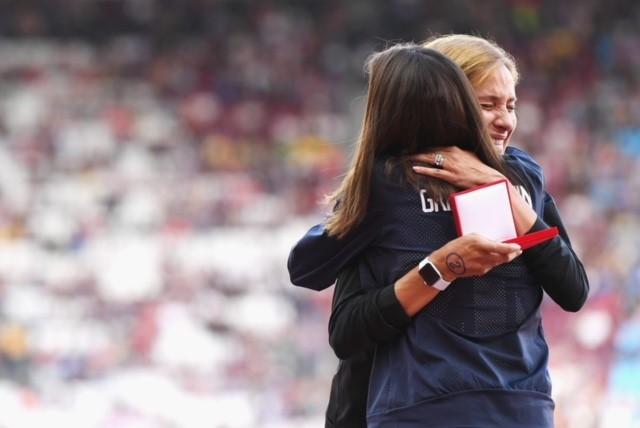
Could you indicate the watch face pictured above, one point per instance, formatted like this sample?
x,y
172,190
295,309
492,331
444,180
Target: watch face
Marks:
x,y
429,274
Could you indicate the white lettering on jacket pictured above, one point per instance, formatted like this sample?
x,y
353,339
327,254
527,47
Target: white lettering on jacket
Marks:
x,y
431,206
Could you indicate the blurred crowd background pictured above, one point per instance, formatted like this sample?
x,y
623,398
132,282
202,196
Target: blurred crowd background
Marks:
x,y
158,160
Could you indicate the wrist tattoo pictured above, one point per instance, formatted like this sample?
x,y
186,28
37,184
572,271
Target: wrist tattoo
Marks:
x,y
455,263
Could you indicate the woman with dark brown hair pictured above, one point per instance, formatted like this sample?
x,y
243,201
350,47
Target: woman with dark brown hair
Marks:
x,y
498,312
482,357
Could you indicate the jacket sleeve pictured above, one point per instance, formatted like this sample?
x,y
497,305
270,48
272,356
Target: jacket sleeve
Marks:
x,y
361,318
316,259
555,265
314,262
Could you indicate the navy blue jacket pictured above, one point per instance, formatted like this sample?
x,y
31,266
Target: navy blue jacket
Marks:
x,y
476,345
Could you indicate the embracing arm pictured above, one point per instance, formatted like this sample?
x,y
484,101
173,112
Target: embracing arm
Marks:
x,y
464,170
555,265
362,318
316,259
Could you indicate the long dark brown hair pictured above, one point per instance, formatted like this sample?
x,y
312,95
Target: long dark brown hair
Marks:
x,y
417,99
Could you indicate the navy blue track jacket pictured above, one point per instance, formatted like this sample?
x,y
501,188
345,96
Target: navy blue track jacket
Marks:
x,y
476,355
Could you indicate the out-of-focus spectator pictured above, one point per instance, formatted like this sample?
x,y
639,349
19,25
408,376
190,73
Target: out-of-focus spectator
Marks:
x,y
156,164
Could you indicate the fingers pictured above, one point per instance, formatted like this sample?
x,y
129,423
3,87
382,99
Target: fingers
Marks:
x,y
423,157
477,254
503,253
442,174
443,159
430,157
488,261
494,253
490,245
500,258
426,170
505,249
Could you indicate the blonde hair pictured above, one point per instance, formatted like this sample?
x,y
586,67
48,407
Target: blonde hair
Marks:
x,y
476,56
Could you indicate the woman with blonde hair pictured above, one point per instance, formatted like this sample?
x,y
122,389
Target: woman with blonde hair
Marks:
x,y
470,355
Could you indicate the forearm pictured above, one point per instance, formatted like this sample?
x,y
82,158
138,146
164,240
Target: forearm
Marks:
x,y
412,293
470,255
316,259
523,215
555,265
311,263
361,319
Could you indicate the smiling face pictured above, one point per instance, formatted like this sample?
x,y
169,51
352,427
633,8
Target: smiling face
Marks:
x,y
497,97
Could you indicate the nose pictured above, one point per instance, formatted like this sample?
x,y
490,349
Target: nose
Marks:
x,y
504,120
